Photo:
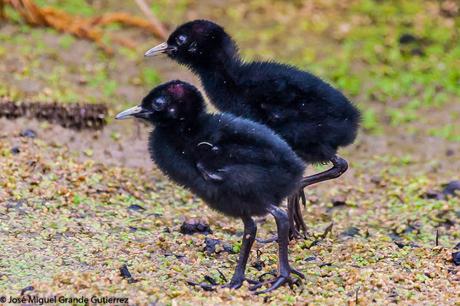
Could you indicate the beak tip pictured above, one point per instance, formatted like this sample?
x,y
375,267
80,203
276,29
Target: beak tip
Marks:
x,y
131,112
161,48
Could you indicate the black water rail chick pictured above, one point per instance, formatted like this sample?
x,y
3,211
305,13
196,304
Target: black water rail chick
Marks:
x,y
238,167
312,116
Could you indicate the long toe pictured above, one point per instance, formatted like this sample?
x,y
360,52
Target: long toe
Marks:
x,y
233,285
298,273
278,282
237,283
303,197
268,240
252,281
294,234
261,284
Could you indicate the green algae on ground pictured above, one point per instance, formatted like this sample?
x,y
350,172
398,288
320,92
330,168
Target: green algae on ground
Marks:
x,y
67,227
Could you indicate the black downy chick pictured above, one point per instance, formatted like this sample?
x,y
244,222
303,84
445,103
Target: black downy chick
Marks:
x,y
312,116
238,167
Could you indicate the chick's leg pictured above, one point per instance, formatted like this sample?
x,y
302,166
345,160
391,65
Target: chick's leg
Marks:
x,y
249,235
339,167
296,223
284,269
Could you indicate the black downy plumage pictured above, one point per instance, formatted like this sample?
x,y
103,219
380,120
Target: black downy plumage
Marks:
x,y
238,167
311,115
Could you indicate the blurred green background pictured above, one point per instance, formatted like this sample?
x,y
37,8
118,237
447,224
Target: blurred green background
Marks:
x,y
398,60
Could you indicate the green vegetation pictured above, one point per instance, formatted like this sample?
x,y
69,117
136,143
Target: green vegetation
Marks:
x,y
79,7
84,229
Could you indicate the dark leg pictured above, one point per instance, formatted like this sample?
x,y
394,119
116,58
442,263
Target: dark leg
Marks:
x,y
284,269
293,217
295,220
339,167
297,225
249,235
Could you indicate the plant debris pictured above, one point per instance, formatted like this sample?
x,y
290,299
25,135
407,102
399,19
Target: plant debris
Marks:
x,y
28,133
191,227
350,232
87,28
452,188
28,288
215,246
136,207
15,150
339,201
124,272
204,286
74,116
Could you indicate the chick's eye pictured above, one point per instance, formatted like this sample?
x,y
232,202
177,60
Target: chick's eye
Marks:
x,y
181,39
158,104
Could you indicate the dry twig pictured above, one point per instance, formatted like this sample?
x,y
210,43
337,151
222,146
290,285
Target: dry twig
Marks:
x,y
87,28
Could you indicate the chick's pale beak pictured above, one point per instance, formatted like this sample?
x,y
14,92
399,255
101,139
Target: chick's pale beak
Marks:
x,y
130,112
161,48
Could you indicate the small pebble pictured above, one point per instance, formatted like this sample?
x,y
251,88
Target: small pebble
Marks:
x,y
124,272
28,288
350,232
136,207
258,265
407,38
193,226
433,195
452,188
377,180
212,246
339,201
15,150
28,133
